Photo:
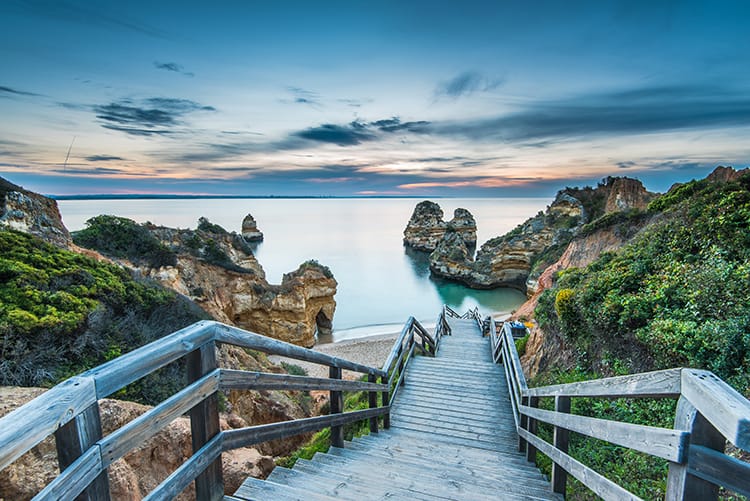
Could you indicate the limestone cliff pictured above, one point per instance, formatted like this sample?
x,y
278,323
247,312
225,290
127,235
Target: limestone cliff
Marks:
x,y
510,260
140,471
426,227
217,269
30,212
250,231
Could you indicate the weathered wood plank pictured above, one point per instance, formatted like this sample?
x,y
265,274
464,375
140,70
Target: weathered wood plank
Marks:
x,y
247,380
31,423
560,440
665,443
515,361
188,471
397,345
75,478
600,485
665,383
681,484
720,469
401,376
721,404
132,366
125,439
372,398
204,423
74,439
238,337
242,437
336,406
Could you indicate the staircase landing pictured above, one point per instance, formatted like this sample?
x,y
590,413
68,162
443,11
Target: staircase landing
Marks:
x,y
452,436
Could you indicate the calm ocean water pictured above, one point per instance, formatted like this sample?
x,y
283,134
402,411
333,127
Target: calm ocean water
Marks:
x,y
380,283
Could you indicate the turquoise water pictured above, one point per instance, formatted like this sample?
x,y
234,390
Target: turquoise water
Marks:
x,y
381,283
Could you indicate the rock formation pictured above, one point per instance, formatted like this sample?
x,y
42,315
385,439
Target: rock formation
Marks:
x,y
426,227
250,231
218,271
30,212
140,471
509,260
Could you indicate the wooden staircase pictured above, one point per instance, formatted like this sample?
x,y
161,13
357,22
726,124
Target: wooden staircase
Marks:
x,y
452,436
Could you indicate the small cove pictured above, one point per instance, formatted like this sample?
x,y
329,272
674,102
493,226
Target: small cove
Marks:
x,y
381,283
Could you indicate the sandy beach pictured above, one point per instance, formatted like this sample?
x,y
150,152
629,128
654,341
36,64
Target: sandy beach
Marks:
x,y
372,351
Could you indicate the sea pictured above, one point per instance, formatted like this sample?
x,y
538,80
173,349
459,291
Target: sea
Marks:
x,y
381,282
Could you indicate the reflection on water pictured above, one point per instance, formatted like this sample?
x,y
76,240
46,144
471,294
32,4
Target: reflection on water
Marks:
x,y
461,298
419,261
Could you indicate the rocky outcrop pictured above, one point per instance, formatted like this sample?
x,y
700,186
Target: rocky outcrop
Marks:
x,y
30,212
235,290
506,261
723,174
624,193
509,260
140,471
426,227
250,231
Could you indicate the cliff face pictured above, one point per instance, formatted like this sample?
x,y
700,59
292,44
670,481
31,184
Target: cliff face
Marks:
x,y
30,212
509,260
229,283
426,227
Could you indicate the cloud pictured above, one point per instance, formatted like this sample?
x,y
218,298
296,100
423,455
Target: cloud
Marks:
x,y
15,92
343,135
149,117
395,125
635,111
173,67
303,96
465,84
103,158
89,13
625,165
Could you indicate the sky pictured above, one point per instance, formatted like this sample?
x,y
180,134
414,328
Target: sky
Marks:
x,y
352,98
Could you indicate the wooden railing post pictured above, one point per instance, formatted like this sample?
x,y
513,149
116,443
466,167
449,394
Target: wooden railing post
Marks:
x,y
402,363
73,439
336,407
386,398
681,485
561,437
524,425
531,426
373,400
204,423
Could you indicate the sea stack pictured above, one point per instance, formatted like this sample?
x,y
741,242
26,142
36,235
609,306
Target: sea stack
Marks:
x,y
426,227
250,231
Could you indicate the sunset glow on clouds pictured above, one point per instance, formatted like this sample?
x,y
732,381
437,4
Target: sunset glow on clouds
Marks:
x,y
392,98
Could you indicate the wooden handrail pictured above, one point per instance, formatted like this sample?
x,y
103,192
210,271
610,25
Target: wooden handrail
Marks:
x,y
74,402
709,414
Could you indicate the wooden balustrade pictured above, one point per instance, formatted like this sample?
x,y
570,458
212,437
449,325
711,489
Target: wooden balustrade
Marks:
x,y
709,414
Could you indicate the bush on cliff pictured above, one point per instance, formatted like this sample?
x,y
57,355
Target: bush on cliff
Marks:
x,y
123,238
62,313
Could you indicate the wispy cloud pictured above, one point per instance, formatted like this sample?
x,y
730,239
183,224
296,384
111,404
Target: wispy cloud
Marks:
x,y
9,92
343,135
635,111
465,84
173,67
303,96
89,13
149,117
104,158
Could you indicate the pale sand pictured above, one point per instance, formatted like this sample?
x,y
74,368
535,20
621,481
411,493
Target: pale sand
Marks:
x,y
371,351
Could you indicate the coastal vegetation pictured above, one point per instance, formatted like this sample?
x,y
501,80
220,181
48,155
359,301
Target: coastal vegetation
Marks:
x,y
677,295
62,313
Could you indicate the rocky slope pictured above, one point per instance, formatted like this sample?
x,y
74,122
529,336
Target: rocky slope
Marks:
x,y
30,212
217,270
426,227
510,260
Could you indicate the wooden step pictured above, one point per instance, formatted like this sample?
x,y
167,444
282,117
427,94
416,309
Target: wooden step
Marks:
x,y
254,489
